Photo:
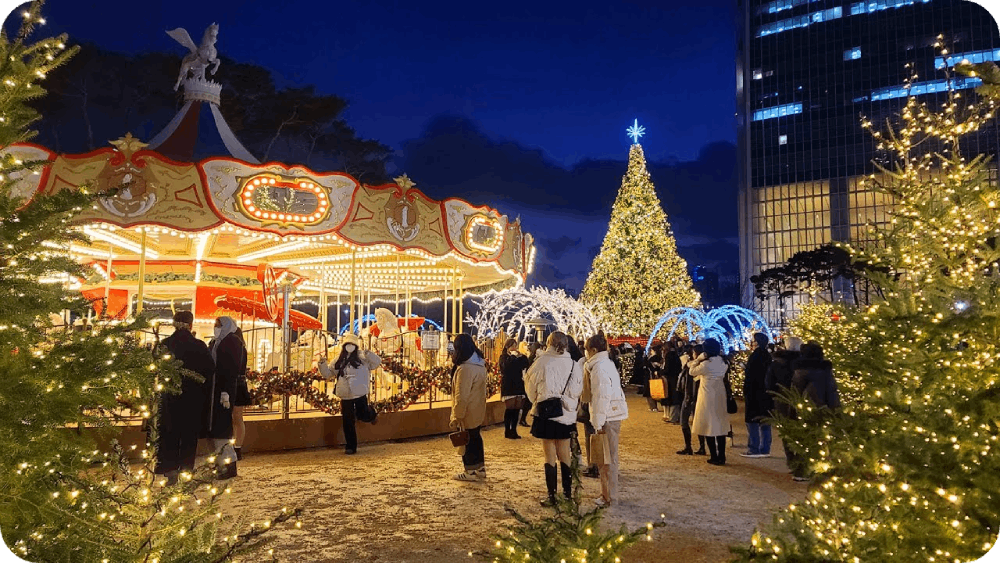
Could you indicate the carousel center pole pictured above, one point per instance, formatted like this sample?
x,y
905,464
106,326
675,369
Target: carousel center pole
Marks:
x,y
142,272
354,268
286,337
323,313
397,285
461,306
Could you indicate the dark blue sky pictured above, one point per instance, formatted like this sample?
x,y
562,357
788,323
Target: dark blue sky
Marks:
x,y
547,86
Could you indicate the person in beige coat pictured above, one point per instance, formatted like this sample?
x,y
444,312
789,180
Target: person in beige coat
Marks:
x,y
468,404
710,417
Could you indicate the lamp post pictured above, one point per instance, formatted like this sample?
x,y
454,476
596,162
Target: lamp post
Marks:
x,y
539,324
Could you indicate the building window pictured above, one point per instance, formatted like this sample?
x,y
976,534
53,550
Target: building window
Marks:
x,y
782,139
758,74
800,21
879,5
777,111
852,54
974,57
921,88
776,6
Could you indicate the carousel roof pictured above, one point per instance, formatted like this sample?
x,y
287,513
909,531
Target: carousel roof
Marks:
x,y
210,222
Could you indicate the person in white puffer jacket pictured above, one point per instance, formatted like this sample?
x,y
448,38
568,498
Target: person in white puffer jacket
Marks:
x,y
554,374
352,373
608,408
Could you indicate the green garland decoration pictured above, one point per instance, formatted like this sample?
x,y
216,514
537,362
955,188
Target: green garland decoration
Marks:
x,y
265,386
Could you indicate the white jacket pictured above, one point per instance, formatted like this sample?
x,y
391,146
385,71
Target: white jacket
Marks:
x,y
710,416
355,381
547,377
607,399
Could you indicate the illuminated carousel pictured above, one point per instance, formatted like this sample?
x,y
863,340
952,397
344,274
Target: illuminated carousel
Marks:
x,y
218,234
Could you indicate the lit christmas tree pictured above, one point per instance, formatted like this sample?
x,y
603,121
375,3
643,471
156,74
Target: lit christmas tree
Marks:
x,y
908,471
61,497
638,275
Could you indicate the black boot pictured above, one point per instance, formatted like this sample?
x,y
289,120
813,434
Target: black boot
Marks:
x,y
551,478
239,454
713,458
701,444
721,441
687,442
567,480
510,424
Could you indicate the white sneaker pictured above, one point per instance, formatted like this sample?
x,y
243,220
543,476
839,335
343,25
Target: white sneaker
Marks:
x,y
481,474
599,501
471,476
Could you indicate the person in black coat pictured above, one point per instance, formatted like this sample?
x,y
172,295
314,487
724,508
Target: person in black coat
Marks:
x,y
180,415
813,377
230,358
758,402
512,365
779,378
672,368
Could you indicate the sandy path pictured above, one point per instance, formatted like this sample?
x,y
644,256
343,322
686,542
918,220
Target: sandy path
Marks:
x,y
396,502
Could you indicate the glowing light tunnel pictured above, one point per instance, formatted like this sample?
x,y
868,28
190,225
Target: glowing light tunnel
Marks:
x,y
370,319
730,325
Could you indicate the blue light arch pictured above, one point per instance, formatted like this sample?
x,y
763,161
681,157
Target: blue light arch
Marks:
x,y
730,325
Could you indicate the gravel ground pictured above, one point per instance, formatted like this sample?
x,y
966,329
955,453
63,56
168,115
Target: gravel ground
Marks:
x,y
396,501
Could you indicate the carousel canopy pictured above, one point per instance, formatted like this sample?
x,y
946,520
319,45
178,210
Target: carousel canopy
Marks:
x,y
193,226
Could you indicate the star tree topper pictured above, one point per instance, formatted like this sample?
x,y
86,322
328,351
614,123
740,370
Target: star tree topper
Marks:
x,y
636,131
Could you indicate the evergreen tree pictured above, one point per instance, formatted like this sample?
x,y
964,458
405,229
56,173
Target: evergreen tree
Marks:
x,y
908,471
638,274
61,497
568,535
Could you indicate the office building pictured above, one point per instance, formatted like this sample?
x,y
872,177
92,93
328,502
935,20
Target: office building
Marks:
x,y
807,70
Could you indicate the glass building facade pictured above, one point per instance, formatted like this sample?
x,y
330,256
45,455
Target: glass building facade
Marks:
x,y
807,71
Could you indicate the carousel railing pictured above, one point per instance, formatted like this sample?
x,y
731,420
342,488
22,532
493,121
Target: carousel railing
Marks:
x,y
402,351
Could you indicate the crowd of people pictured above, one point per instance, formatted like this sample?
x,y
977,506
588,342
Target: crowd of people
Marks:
x,y
559,384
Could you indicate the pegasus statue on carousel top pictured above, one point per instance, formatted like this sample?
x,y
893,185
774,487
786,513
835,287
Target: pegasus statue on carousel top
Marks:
x,y
200,56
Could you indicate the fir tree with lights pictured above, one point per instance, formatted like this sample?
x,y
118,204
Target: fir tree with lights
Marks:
x,y
638,274
64,391
568,534
908,470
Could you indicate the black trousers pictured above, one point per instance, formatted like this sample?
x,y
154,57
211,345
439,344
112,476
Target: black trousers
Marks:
x,y
474,456
351,410
525,410
178,428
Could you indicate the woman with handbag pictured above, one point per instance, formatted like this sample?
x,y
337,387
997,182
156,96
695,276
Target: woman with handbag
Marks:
x,y
352,373
554,384
608,409
711,419
468,405
512,366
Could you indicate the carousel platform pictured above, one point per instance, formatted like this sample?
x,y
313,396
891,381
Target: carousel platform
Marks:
x,y
271,432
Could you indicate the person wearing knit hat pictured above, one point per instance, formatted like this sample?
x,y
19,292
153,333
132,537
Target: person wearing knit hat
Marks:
x,y
180,418
352,374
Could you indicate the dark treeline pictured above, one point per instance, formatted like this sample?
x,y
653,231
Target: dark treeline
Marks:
x,y
100,95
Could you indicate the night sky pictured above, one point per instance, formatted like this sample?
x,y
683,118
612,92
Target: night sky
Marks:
x,y
521,105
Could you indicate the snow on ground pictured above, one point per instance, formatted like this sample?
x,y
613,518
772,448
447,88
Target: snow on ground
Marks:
x,y
397,502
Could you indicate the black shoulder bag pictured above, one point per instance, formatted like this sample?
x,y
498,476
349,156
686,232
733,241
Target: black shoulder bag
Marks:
x,y
731,406
553,408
